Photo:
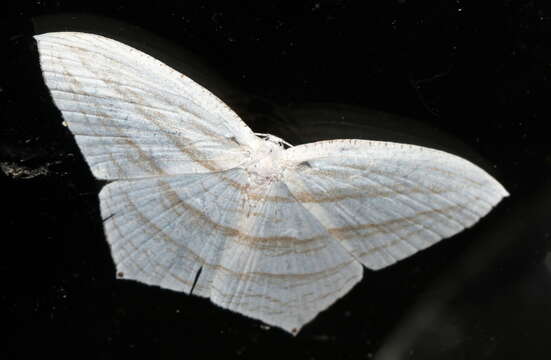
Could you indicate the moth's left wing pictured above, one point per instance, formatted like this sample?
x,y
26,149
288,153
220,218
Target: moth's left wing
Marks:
x,y
385,201
133,116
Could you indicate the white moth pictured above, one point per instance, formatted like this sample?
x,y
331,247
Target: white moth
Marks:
x,y
275,234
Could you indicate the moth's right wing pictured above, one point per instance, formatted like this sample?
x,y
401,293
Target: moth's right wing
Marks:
x,y
133,116
385,201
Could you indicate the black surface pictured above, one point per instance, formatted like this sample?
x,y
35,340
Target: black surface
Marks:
x,y
474,76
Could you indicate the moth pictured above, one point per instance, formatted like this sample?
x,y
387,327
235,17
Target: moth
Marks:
x,y
198,203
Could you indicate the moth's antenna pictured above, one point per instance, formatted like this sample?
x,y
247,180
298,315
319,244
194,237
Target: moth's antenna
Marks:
x,y
273,138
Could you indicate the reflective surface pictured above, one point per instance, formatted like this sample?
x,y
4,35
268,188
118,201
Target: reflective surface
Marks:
x,y
468,81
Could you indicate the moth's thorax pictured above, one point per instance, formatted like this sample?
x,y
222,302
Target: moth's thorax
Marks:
x,y
265,165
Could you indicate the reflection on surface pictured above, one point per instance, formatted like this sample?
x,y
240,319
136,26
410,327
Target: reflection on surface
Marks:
x,y
503,279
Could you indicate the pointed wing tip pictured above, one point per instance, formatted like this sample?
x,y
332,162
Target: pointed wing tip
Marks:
x,y
504,193
292,329
291,326
295,326
499,192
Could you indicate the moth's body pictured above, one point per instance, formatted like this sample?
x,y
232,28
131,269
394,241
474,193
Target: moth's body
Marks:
x,y
266,164
275,234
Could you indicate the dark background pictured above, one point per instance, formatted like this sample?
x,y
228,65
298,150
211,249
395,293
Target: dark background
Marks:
x,y
472,78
